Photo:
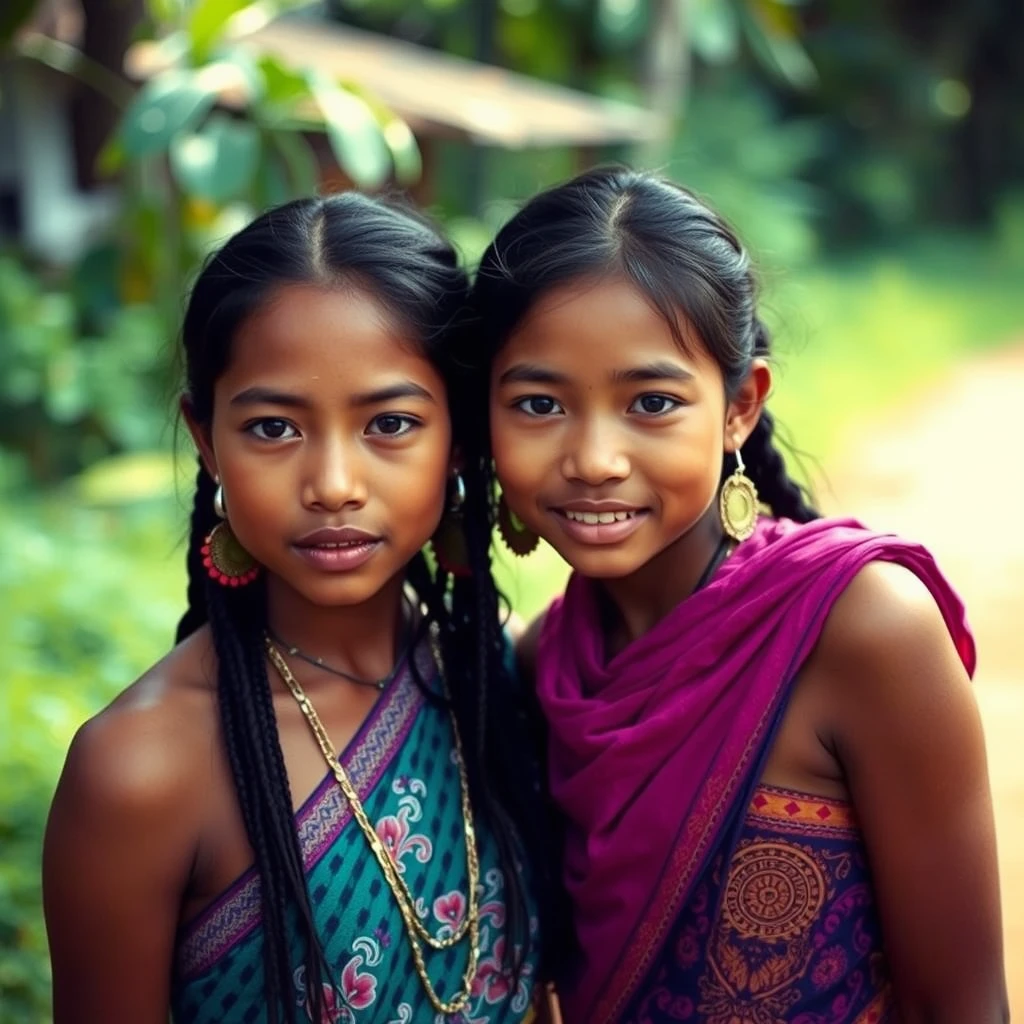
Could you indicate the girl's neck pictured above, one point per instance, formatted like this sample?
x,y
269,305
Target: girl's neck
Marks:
x,y
362,639
636,603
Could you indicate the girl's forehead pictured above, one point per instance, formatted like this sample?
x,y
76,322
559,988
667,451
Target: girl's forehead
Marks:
x,y
596,324
341,336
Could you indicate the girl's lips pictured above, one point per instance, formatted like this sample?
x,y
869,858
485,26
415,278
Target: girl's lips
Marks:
x,y
607,526
334,535
338,557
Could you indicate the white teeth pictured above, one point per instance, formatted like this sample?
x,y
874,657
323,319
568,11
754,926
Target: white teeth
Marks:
x,y
593,518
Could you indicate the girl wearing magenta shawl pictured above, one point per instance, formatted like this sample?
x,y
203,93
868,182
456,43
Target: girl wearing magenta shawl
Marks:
x,y
761,731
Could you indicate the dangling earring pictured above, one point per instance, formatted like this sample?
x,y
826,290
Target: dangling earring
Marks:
x,y
449,540
518,539
225,559
737,503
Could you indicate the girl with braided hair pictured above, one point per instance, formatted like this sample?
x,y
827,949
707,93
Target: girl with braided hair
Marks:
x,y
320,805
761,732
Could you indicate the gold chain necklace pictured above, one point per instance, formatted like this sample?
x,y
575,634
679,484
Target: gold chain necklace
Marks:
x,y
415,930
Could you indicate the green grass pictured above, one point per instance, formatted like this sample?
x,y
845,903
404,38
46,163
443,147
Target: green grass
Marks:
x,y
865,335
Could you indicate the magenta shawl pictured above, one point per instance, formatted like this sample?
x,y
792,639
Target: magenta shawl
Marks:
x,y
650,752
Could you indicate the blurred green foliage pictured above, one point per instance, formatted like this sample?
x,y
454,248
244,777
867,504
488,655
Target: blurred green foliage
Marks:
x,y
88,596
76,387
216,135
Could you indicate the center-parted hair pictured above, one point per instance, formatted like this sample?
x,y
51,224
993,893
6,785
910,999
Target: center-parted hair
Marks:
x,y
349,240
678,252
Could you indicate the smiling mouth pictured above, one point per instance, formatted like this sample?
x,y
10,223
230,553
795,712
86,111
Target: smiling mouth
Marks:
x,y
594,518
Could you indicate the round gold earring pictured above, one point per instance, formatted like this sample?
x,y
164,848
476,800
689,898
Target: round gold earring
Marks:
x,y
737,503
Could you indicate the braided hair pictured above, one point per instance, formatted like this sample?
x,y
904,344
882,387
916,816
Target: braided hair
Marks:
x,y
672,247
413,271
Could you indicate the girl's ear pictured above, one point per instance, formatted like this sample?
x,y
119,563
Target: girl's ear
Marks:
x,y
201,436
743,412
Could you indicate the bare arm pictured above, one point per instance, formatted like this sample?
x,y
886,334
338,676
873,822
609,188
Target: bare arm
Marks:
x,y
908,734
116,861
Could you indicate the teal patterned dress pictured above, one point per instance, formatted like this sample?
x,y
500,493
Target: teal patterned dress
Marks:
x,y
402,764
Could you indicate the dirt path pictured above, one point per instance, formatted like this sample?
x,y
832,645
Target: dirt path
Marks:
x,y
948,470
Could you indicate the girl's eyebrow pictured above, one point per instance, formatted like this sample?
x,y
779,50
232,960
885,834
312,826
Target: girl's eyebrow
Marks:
x,y
528,373
268,396
651,371
402,389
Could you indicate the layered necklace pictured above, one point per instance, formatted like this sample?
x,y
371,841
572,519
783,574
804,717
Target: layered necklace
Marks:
x,y
416,932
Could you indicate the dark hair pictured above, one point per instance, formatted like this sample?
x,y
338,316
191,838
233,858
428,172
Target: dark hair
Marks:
x,y
675,250
346,240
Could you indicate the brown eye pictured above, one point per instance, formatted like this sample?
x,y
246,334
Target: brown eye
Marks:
x,y
655,405
272,430
538,405
392,425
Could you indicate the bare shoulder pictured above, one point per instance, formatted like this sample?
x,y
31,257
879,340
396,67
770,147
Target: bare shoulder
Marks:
x,y
885,608
886,629
122,838
141,753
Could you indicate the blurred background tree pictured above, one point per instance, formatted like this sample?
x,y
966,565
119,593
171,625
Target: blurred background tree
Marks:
x,y
872,153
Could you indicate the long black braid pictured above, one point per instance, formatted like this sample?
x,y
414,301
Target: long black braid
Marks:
x,y
765,463
413,271
237,619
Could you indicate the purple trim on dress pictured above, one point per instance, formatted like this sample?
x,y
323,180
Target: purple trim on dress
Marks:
x,y
319,821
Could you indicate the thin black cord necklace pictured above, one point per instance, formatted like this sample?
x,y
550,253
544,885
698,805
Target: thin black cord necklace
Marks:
x,y
377,684
717,558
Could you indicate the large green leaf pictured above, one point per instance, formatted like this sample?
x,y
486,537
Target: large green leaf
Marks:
x,y
713,28
283,89
247,70
206,23
218,161
773,33
405,153
355,136
170,103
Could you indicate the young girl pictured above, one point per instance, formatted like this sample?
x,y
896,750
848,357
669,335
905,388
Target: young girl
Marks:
x,y
317,806
761,729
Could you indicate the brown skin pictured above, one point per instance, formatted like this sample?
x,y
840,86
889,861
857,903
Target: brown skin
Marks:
x,y
882,713
145,829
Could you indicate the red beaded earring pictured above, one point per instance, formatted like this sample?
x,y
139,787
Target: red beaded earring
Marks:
x,y
225,559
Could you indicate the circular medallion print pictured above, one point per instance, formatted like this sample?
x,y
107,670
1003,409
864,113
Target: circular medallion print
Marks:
x,y
775,891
